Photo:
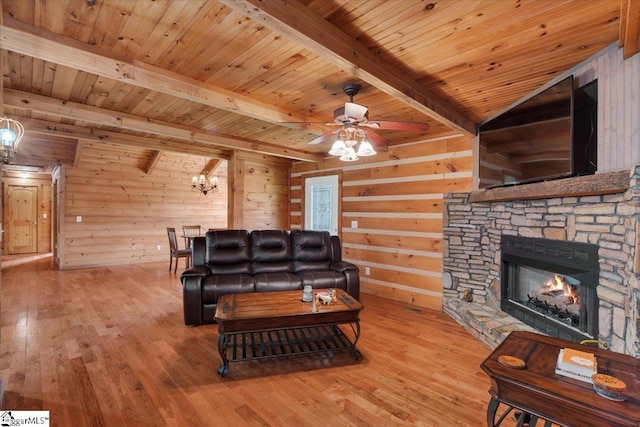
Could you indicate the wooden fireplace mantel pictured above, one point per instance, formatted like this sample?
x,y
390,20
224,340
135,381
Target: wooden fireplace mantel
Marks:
x,y
589,185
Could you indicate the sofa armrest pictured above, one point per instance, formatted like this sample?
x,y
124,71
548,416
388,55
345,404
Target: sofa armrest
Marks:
x,y
195,271
351,273
192,279
341,266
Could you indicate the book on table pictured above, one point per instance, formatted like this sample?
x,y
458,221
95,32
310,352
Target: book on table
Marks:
x,y
577,364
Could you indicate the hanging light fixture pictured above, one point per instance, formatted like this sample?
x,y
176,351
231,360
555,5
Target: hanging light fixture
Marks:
x,y
201,184
351,144
11,132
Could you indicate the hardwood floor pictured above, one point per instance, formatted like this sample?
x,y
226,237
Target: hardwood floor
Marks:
x,y
108,347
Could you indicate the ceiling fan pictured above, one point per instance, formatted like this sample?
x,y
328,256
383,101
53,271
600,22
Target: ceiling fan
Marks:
x,y
354,116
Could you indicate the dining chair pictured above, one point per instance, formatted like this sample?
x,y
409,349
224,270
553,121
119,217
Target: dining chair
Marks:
x,y
189,232
176,252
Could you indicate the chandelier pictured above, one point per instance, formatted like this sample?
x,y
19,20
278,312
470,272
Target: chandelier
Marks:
x,y
11,132
201,184
351,144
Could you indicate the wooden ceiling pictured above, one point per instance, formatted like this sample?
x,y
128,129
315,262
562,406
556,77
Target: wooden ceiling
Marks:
x,y
208,77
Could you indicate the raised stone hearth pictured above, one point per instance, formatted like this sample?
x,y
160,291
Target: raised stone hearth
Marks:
x,y
591,210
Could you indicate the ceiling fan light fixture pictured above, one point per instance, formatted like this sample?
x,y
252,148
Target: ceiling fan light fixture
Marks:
x,y
350,155
339,148
365,149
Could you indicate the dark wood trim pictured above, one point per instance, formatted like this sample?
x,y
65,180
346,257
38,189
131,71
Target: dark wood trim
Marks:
x,y
589,185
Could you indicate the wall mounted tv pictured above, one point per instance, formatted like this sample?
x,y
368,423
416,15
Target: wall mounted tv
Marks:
x,y
551,135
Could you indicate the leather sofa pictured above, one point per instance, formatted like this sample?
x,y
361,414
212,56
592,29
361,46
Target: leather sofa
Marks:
x,y
238,261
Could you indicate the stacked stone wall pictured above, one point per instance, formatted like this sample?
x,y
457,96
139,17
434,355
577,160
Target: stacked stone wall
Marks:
x,y
472,234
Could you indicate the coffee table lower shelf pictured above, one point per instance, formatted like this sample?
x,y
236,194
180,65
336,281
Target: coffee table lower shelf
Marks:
x,y
269,343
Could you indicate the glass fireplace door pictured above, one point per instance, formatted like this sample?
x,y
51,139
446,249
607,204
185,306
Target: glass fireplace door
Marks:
x,y
551,285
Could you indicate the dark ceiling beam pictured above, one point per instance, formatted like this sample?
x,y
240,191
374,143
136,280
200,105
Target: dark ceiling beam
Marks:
x,y
302,26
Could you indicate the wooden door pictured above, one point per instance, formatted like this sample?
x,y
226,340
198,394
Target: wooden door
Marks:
x,y
22,213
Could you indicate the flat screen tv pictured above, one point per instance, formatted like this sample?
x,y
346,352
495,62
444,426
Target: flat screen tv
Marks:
x,y
551,135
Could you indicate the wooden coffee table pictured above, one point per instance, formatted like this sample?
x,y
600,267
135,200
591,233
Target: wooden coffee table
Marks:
x,y
539,393
273,324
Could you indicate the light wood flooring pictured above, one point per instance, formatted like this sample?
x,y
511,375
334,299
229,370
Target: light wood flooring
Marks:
x,y
108,347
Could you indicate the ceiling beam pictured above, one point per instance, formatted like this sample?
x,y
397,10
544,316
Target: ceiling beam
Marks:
x,y
630,27
24,101
78,154
153,162
38,43
81,133
211,167
309,30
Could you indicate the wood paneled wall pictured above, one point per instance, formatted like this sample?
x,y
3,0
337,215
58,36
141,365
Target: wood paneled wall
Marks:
x,y
261,192
45,206
618,106
125,206
396,199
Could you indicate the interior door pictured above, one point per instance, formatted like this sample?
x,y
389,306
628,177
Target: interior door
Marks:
x,y
22,214
321,203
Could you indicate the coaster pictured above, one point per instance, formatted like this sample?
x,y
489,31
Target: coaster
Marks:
x,y
615,397
607,382
609,387
512,362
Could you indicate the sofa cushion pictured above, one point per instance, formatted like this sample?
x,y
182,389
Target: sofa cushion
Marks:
x,y
228,252
279,281
216,285
320,279
311,250
271,251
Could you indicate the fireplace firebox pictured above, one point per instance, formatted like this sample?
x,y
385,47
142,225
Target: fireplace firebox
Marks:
x,y
551,285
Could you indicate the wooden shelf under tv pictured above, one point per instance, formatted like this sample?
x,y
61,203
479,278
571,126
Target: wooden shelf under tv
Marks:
x,y
588,185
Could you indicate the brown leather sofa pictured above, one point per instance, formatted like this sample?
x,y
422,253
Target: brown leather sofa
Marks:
x,y
238,261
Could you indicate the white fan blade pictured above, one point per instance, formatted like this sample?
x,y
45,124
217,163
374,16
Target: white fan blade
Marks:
x,y
322,137
373,125
381,124
355,111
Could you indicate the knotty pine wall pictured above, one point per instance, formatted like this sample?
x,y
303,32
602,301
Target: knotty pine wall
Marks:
x,y
618,111
396,197
260,198
125,209
45,207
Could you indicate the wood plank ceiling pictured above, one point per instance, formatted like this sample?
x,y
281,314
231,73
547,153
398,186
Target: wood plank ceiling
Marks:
x,y
208,77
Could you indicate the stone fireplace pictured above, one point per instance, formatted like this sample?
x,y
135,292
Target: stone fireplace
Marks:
x,y
599,213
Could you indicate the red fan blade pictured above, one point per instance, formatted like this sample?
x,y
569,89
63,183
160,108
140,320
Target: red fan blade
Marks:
x,y
322,137
380,124
375,139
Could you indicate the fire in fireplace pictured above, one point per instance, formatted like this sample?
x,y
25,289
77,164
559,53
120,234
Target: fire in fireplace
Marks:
x,y
551,285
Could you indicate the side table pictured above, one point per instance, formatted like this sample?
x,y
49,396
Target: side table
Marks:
x,y
539,393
